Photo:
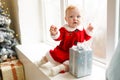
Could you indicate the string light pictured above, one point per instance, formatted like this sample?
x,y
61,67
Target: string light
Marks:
x,y
6,11
3,5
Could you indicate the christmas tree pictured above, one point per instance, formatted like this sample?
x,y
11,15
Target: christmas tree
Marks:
x,y
7,39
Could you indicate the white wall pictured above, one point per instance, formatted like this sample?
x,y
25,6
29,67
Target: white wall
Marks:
x,y
30,23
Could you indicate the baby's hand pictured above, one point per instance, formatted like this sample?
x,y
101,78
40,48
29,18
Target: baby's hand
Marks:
x,y
90,27
53,30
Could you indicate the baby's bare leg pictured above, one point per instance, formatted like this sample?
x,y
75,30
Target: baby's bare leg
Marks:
x,y
42,61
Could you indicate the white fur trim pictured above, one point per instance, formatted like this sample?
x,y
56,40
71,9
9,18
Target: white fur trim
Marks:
x,y
49,57
56,36
72,29
69,28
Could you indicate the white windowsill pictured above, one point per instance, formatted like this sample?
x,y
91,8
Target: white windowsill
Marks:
x,y
34,52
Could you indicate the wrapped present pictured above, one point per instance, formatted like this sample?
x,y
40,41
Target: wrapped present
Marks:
x,y
12,70
80,61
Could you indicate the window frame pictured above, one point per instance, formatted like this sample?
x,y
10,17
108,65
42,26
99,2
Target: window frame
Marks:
x,y
112,38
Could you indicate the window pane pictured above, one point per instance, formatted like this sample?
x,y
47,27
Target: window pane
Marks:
x,y
95,13
79,3
52,16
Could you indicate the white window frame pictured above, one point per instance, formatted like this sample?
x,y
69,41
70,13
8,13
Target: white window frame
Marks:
x,y
62,4
112,38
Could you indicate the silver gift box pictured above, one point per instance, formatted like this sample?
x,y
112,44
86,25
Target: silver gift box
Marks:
x,y
80,63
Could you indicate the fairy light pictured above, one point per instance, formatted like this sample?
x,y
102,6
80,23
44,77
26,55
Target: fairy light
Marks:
x,y
6,11
5,8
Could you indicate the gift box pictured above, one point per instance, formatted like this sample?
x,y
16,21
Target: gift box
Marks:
x,y
80,61
12,70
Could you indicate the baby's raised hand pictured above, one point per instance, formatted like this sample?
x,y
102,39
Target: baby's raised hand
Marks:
x,y
90,27
53,30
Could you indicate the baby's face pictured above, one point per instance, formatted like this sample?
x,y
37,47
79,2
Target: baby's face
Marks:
x,y
73,18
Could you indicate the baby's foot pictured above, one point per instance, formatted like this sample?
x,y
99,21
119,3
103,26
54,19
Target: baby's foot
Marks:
x,y
57,69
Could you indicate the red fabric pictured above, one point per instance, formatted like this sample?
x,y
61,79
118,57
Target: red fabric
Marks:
x,y
68,39
62,71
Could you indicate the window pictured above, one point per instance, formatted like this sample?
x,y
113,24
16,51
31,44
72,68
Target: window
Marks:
x,y
52,17
94,12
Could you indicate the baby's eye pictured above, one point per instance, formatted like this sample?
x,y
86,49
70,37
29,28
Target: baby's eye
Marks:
x,y
71,17
78,16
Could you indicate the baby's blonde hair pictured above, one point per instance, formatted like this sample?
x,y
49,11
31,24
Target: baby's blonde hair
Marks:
x,y
69,8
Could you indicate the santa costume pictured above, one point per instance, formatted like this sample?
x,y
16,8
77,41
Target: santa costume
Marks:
x,y
67,37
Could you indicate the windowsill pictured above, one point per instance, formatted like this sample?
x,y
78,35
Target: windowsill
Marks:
x,y
34,52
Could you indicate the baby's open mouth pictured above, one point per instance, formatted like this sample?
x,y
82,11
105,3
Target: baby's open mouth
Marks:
x,y
74,22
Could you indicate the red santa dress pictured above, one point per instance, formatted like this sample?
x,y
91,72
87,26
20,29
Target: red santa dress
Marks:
x,y
67,39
